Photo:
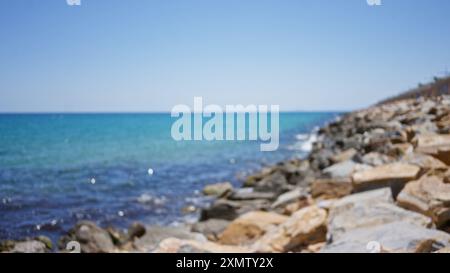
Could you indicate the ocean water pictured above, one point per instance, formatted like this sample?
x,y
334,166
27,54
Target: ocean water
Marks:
x,y
57,169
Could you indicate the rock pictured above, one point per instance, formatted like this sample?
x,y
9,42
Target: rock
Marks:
x,y
320,159
249,227
343,169
118,237
211,228
136,230
401,149
369,209
230,210
221,209
47,242
291,208
331,188
289,197
32,246
155,234
394,175
376,159
425,162
314,248
92,238
6,246
430,196
393,237
306,226
273,183
435,145
344,156
251,180
175,245
250,194
443,250
218,189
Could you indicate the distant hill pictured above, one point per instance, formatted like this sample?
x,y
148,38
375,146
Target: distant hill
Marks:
x,y
440,86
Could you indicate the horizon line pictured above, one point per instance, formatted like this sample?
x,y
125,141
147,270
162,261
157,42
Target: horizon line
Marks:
x,y
142,112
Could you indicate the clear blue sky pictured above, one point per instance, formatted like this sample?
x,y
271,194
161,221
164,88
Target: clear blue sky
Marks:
x,y
147,55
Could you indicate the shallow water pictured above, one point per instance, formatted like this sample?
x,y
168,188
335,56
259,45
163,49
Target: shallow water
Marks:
x,y
56,169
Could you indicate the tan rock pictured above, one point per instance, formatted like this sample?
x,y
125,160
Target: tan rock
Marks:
x,y
218,189
331,188
344,156
428,195
306,226
437,145
394,175
249,227
291,208
174,245
314,248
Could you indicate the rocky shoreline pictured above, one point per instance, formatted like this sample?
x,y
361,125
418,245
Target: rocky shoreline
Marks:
x,y
376,180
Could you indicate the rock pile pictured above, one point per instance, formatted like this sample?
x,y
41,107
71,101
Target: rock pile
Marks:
x,y
376,180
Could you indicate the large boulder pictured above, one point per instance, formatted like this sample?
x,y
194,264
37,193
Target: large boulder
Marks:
x,y
436,145
369,209
175,245
92,239
394,175
393,237
249,227
425,162
306,226
430,196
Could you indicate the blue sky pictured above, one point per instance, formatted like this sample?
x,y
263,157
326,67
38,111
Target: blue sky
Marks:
x,y
148,55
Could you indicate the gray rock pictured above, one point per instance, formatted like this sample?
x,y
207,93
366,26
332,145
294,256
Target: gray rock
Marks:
x,y
230,210
32,246
211,228
367,210
274,183
250,194
92,238
392,237
344,169
289,197
376,159
321,158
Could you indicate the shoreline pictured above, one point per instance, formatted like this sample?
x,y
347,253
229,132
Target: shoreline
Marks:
x,y
379,174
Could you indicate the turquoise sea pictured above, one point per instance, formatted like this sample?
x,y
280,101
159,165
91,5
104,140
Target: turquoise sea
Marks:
x,y
57,169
